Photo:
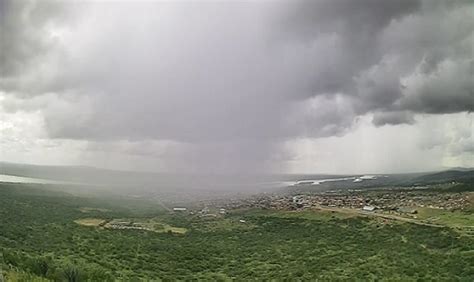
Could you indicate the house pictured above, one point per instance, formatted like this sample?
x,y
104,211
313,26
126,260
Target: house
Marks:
x,y
205,210
368,208
297,199
180,209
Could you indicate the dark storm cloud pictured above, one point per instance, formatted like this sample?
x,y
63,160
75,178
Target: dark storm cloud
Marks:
x,y
449,89
227,77
23,30
357,26
311,18
381,43
28,44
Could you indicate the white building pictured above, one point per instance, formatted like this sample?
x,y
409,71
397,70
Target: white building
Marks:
x,y
368,208
180,209
297,199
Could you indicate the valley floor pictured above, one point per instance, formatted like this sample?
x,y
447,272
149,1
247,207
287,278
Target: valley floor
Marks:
x,y
56,236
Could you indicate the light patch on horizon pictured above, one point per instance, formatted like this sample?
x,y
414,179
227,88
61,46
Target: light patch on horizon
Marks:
x,y
440,141
406,148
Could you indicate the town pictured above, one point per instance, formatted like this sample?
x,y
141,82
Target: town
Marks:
x,y
395,203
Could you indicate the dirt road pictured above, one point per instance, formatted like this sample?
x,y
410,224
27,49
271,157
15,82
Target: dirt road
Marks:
x,y
376,214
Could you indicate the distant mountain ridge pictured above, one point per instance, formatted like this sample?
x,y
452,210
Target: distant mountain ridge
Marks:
x,y
466,175
93,175
66,173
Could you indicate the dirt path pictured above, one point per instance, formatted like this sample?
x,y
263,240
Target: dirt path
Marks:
x,y
163,205
375,214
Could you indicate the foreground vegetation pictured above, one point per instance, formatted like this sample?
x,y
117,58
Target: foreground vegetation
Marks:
x,y
40,238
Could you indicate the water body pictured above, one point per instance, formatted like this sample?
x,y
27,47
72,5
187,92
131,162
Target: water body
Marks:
x,y
21,179
319,181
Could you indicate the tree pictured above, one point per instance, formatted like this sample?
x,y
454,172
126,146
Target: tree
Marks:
x,y
71,273
40,266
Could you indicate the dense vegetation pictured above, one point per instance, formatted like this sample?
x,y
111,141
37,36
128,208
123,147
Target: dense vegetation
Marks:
x,y
39,239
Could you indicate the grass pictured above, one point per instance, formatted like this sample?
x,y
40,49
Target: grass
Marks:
x,y
445,217
20,276
156,224
270,245
153,224
222,224
89,210
164,228
316,214
177,230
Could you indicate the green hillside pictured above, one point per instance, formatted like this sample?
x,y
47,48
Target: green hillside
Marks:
x,y
40,238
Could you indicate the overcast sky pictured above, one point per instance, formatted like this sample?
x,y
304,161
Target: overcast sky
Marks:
x,y
317,86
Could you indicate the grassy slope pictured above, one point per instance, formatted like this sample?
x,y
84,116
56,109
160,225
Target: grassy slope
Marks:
x,y
37,224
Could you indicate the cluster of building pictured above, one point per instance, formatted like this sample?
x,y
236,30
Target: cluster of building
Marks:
x,y
204,212
126,225
397,201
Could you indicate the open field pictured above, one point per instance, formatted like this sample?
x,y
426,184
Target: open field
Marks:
x,y
145,224
313,214
448,218
425,216
228,224
90,221
163,227
89,210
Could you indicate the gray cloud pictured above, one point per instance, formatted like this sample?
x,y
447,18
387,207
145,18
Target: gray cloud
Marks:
x,y
392,118
20,38
449,89
393,56
357,27
233,80
27,41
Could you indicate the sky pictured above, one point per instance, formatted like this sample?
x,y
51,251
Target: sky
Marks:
x,y
317,86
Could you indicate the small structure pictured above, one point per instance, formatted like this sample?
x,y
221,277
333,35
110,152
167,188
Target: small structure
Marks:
x,y
298,201
222,211
242,221
178,209
368,208
205,210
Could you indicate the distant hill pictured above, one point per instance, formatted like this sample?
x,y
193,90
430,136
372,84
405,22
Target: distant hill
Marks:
x,y
81,174
459,168
464,176
175,182
138,181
